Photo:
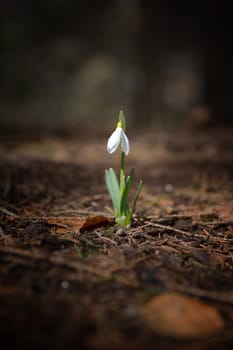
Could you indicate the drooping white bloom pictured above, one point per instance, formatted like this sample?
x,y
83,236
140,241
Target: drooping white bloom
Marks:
x,y
118,137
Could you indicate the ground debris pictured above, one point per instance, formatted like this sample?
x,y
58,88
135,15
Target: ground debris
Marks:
x,y
65,262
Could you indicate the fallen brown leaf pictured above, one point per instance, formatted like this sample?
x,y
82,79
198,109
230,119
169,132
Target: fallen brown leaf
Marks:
x,y
63,224
180,316
93,222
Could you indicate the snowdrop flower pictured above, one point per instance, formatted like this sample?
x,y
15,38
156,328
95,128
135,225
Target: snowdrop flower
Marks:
x,y
118,137
119,190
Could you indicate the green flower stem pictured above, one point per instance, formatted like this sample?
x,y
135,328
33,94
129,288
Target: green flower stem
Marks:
x,y
122,174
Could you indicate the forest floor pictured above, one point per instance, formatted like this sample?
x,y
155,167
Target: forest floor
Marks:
x,y
70,278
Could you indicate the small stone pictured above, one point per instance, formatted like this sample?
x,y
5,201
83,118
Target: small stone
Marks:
x,y
168,188
65,284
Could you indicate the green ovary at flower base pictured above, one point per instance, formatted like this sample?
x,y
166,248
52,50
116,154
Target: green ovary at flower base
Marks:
x,y
119,191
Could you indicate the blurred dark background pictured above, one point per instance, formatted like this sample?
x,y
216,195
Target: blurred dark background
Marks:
x,y
68,63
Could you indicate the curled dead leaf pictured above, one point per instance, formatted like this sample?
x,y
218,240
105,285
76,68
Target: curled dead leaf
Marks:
x,y
94,222
64,224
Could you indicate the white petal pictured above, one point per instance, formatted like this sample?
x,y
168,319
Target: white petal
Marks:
x,y
125,143
114,140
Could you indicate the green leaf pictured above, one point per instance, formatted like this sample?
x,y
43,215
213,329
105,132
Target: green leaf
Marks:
x,y
113,188
124,221
125,195
124,199
132,175
136,197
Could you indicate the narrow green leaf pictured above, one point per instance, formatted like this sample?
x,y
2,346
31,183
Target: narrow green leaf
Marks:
x,y
125,194
131,175
136,197
113,188
124,198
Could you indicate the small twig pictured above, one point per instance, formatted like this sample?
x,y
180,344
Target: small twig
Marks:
x,y
138,229
7,212
169,228
53,259
221,297
213,223
169,217
106,239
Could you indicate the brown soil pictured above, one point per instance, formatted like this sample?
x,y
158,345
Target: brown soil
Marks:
x,y
70,278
